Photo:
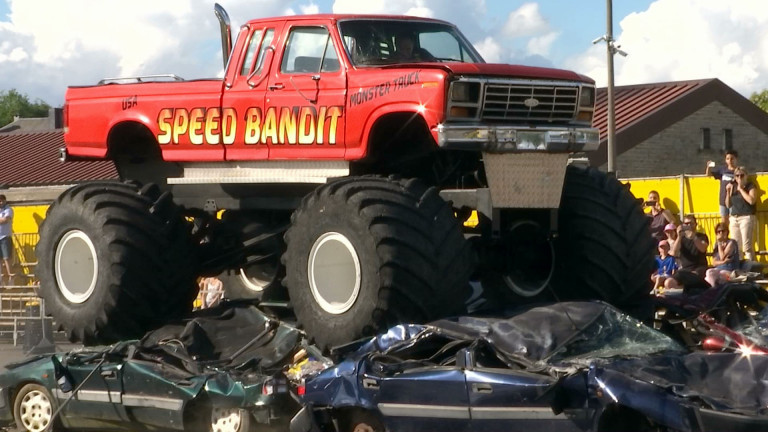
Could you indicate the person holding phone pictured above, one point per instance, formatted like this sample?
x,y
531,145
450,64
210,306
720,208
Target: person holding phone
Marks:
x,y
660,216
723,173
741,199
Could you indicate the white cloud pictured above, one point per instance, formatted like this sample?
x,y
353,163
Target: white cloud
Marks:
x,y
540,45
525,21
688,39
489,49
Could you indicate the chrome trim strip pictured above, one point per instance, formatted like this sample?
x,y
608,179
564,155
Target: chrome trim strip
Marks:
x,y
416,410
152,402
515,413
91,396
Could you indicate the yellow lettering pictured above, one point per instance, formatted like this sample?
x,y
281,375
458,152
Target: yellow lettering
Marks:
x,y
252,125
270,127
212,131
334,113
321,124
180,124
228,125
163,123
307,125
196,127
288,125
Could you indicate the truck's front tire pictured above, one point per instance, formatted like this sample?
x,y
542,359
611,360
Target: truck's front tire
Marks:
x,y
115,260
604,249
363,253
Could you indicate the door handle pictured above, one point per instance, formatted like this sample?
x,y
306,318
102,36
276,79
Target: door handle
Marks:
x,y
276,86
108,373
482,388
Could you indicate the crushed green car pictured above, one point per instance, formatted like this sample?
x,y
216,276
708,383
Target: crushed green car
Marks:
x,y
220,370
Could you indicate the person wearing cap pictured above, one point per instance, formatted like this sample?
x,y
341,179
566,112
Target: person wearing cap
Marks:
x,y
670,230
666,266
660,216
725,256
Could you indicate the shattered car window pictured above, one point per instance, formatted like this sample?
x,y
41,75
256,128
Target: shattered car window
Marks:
x,y
615,334
382,42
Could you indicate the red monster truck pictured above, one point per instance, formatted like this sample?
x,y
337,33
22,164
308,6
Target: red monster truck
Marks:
x,y
347,164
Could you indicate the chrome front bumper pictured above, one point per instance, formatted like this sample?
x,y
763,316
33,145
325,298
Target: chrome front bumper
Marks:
x,y
503,139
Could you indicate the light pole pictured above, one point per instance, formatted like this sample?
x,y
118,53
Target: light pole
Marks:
x,y
611,49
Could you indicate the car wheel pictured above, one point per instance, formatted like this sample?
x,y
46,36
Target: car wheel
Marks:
x,y
115,260
364,253
230,420
360,421
33,409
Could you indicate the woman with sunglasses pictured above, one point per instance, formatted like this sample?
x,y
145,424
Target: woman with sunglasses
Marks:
x,y
725,256
741,198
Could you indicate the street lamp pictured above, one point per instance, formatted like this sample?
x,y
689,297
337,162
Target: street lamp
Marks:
x,y
611,49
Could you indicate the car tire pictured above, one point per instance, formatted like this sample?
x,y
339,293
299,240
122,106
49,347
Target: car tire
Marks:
x,y
604,249
115,260
260,273
358,420
364,253
33,409
230,420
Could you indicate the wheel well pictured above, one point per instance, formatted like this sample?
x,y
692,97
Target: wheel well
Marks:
x,y
396,138
617,417
132,140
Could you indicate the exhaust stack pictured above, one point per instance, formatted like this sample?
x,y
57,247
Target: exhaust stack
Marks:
x,y
226,31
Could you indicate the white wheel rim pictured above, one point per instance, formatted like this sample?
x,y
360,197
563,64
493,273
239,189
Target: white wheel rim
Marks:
x,y
226,420
334,273
76,266
35,411
253,283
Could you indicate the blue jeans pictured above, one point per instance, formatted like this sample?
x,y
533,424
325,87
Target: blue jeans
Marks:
x,y
6,247
724,212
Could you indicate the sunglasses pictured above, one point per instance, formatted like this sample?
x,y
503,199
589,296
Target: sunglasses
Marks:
x,y
738,175
721,231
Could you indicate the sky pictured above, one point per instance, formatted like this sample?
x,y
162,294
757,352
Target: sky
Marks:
x,y
47,45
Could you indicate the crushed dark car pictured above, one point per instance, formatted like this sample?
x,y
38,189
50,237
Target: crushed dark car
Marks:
x,y
221,370
565,366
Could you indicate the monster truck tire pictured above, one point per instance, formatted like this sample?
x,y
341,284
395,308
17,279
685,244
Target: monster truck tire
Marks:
x,y
364,253
604,249
260,273
114,260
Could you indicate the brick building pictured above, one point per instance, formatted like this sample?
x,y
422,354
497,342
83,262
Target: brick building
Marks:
x,y
673,128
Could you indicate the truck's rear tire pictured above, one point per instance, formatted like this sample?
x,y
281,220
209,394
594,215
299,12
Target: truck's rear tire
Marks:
x,y
260,273
114,260
604,249
363,253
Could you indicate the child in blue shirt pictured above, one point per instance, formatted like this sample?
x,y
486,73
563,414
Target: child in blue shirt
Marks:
x,y
666,266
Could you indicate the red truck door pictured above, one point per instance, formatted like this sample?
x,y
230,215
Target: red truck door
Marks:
x,y
245,88
304,107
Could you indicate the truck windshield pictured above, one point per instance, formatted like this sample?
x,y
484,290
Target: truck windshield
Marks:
x,y
380,42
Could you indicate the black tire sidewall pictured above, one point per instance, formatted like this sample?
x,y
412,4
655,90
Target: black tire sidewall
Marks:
x,y
311,226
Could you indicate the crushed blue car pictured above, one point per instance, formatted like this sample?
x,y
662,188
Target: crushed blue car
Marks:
x,y
218,371
570,366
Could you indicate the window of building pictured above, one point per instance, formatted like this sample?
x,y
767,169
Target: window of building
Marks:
x,y
705,139
727,139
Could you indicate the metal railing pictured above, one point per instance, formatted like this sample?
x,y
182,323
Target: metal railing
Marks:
x,y
19,306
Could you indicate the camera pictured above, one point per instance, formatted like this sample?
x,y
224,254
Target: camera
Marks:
x,y
686,227
650,203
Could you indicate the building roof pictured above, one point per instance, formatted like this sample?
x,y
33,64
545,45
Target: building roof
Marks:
x,y
32,159
35,124
641,111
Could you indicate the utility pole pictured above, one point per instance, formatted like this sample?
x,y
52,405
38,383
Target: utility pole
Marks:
x,y
611,50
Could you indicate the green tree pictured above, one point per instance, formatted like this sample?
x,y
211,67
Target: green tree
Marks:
x,y
760,99
13,103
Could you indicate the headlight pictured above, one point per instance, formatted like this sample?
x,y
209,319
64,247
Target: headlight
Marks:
x,y
465,91
587,97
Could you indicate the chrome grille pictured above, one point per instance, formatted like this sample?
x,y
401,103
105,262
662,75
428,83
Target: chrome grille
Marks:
x,y
533,103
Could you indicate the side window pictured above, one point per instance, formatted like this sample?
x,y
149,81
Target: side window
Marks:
x,y
268,36
253,45
309,50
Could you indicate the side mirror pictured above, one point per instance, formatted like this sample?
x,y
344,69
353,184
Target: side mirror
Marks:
x,y
465,359
61,374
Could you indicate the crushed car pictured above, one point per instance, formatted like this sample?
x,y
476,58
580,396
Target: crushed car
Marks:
x,y
220,370
565,366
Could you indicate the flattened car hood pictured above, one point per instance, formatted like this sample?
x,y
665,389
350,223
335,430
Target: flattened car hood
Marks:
x,y
224,337
722,381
